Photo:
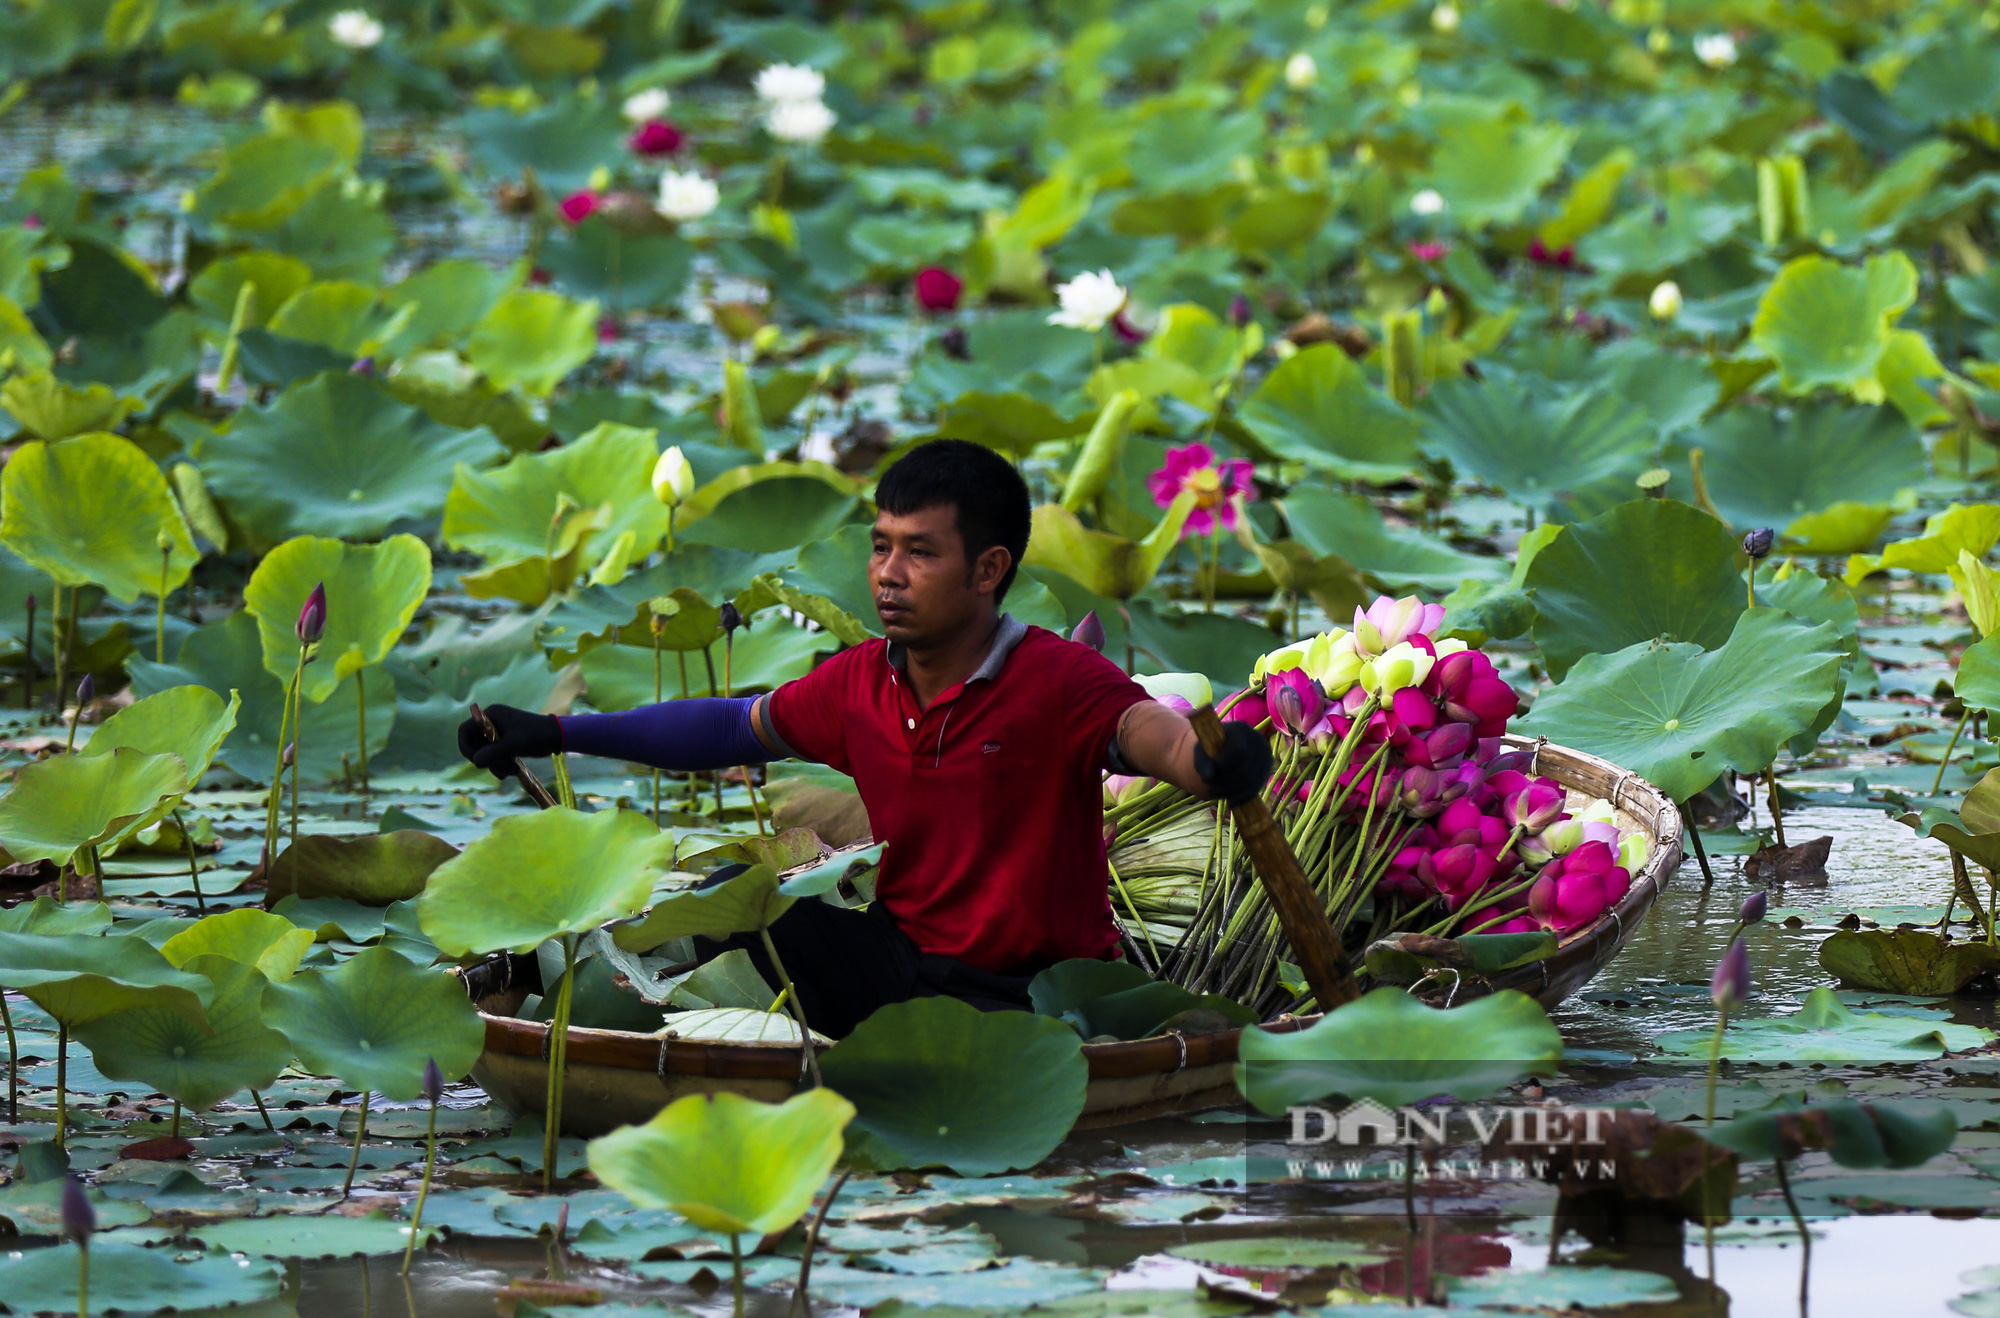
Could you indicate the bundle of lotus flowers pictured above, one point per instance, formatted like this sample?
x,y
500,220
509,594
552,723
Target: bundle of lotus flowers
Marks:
x,y
1395,792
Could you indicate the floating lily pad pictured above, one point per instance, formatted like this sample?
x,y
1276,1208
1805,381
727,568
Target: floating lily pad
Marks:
x,y
288,1237
1824,1030
1566,1287
132,1279
1905,960
1016,1283
375,1020
935,1082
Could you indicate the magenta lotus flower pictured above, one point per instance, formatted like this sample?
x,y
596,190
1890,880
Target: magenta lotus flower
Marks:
x,y
1249,707
1296,700
1576,889
312,616
580,205
1456,873
1754,906
1561,259
1178,704
1390,622
79,1216
1429,251
1412,711
1535,806
655,138
938,289
1731,981
1216,487
1441,748
1421,792
1090,632
1127,330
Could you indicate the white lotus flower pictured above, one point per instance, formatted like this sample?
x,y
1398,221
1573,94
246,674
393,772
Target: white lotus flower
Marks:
x,y
354,29
1444,19
790,82
646,106
799,121
1665,303
1089,301
1715,49
673,477
1427,202
686,196
1301,72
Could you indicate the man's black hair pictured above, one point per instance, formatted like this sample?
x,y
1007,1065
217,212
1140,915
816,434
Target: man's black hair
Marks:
x,y
988,495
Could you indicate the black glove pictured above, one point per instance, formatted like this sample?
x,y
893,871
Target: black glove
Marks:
x,y
1242,769
523,736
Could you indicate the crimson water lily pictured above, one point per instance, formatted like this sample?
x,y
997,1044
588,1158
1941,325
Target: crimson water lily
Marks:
x,y
655,138
938,289
1216,485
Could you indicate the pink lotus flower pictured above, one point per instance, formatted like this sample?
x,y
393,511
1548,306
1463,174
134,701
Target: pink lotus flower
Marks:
x,y
1456,873
1216,487
1295,700
655,138
1127,331
580,205
1390,622
1441,748
1575,889
34,220
1535,806
1565,259
1250,707
1430,251
938,289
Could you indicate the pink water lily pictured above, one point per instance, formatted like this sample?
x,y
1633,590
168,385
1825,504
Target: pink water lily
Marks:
x,y
1390,622
1216,487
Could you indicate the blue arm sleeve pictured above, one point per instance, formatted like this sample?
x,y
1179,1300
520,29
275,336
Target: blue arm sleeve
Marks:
x,y
675,734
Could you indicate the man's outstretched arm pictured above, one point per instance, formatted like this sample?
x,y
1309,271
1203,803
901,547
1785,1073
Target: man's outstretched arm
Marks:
x,y
1159,743
706,733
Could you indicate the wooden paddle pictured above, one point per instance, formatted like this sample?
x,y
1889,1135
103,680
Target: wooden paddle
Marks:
x,y
530,784
1321,957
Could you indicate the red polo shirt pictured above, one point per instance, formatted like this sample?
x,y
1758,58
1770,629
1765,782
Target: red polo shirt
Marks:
x,y
989,799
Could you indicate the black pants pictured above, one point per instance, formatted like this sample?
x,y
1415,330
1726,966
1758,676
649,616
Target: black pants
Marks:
x,y
844,964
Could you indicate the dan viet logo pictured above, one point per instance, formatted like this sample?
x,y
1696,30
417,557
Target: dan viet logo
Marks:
x,y
1505,1140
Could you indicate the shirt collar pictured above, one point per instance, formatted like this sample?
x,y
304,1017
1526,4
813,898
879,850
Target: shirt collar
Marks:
x,y
1010,634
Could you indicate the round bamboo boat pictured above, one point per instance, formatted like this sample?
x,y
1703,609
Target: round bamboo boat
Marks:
x,y
616,1077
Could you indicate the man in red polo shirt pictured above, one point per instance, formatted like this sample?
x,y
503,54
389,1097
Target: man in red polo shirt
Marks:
x,y
976,743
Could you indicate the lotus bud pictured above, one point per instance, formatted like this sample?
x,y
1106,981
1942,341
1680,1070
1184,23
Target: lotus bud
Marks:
x,y
1599,811
1633,849
312,616
164,543
1665,303
433,1082
1758,543
1288,710
1731,981
1421,792
1399,666
1239,311
732,617
1534,807
291,755
1559,838
1444,19
1535,850
362,366
1754,907
673,477
86,691
79,1218
1090,632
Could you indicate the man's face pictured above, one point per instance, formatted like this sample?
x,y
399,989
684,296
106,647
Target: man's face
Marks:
x,y
924,588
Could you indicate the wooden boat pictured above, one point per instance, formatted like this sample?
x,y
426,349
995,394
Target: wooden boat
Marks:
x,y
616,1077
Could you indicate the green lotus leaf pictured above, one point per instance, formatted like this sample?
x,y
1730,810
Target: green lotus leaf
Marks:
x,y
216,289
1538,443
751,900
600,486
197,1068
935,1082
228,657
372,592
764,658
1852,1134
532,338
623,271
728,1163
1013,422
339,314
375,869
91,510
447,299
1560,1288
77,978
1102,563
1644,570
1905,961
311,1236
45,915
1974,830
1977,682
1490,170
563,142
133,1279
1318,408
261,181
1828,324
21,345
340,234
187,721
337,455
1350,526
765,508
1393,1049
1067,985
838,622
1145,1010
536,877
272,361
1825,1030
60,805
1972,528
49,409
271,944
1220,646
1678,716
374,1020
1642,241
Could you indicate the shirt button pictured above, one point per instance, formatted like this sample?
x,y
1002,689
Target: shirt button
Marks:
x,y
912,722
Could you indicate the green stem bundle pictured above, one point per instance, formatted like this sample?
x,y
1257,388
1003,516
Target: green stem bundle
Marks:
x,y
558,1058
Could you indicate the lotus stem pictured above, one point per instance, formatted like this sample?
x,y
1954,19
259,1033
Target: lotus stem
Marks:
x,y
13,1064
177,1119
83,1277
658,694
285,719
1777,811
194,868
1700,852
812,1238
1133,907
62,1086
693,787
1715,1060
354,1159
263,1111
564,792
558,1057
1799,1221
708,657
736,1269
361,724
74,719
160,610
424,1191
28,659
793,1006
1945,762
56,639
